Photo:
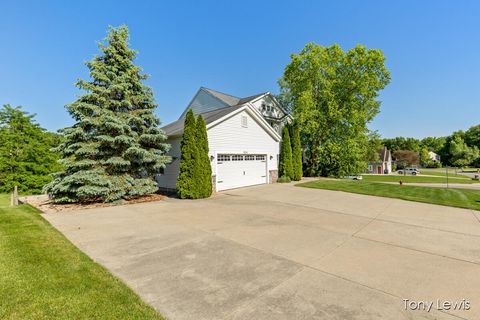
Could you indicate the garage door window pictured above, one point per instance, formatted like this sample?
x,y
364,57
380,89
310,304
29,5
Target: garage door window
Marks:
x,y
249,158
260,157
237,157
223,157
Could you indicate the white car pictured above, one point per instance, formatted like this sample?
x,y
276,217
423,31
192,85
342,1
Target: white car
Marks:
x,y
412,171
353,177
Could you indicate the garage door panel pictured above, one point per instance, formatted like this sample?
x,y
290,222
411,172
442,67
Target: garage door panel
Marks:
x,y
236,170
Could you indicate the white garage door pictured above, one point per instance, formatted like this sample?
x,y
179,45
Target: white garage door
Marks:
x,y
238,170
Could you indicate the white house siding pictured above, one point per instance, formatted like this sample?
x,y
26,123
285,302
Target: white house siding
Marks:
x,y
229,137
168,180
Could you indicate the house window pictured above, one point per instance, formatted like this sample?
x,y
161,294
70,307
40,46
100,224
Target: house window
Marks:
x,y
223,157
249,157
244,121
237,157
260,157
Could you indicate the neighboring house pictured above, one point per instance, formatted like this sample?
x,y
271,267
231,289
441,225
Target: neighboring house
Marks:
x,y
384,165
244,137
433,156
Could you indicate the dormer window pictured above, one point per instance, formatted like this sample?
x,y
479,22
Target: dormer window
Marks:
x,y
263,107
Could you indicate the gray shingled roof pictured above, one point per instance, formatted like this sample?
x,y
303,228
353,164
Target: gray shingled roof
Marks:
x,y
176,128
232,100
384,154
247,99
228,99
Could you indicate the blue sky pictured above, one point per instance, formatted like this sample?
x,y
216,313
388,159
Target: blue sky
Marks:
x,y
241,47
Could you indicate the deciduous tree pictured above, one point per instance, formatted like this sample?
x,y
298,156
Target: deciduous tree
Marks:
x,y
405,158
26,159
333,95
472,136
373,147
402,143
461,154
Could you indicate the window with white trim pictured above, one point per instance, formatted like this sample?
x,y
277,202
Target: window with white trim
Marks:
x,y
244,121
260,157
237,157
249,157
223,157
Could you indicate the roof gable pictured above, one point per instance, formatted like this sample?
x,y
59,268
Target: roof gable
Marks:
x,y
204,101
216,117
225,98
254,113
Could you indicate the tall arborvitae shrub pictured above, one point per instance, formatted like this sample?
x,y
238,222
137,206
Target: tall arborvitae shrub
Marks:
x,y
285,166
296,153
115,148
187,182
204,167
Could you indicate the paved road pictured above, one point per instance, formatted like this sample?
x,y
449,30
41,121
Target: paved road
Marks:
x,y
284,252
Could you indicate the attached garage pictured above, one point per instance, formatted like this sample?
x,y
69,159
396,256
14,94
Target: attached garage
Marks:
x,y
243,142
238,170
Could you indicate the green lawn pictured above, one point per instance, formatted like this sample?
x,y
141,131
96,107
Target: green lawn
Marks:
x,y
416,179
462,198
442,173
44,276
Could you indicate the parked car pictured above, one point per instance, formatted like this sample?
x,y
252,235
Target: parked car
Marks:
x,y
353,177
412,171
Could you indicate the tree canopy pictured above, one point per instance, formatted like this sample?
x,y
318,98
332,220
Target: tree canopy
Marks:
x,y
333,96
405,158
461,154
26,159
115,147
402,143
458,149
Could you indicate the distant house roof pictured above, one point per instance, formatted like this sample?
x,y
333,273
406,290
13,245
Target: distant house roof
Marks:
x,y
176,128
384,154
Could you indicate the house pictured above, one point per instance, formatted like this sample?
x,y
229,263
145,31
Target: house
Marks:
x,y
244,137
433,156
384,165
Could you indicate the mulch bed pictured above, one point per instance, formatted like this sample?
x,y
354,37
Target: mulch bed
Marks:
x,y
44,204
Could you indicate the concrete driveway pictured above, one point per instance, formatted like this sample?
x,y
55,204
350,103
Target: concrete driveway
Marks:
x,y
284,252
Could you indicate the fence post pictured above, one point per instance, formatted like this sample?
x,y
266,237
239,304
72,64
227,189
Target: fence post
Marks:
x,y
14,200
